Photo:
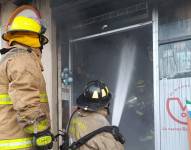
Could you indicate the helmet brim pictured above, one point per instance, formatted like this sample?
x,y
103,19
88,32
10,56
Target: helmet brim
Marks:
x,y
8,35
85,103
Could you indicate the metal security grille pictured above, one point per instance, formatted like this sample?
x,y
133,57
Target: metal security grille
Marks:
x,y
175,85
175,60
141,7
175,74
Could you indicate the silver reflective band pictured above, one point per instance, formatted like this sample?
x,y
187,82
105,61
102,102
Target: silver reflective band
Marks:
x,y
15,144
6,100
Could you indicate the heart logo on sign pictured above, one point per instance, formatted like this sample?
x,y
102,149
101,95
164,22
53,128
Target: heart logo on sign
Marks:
x,y
177,116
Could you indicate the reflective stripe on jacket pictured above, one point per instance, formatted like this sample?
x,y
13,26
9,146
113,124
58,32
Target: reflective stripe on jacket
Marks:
x,y
6,100
23,98
22,143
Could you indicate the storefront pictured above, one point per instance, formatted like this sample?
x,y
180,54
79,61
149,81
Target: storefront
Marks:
x,y
174,77
141,49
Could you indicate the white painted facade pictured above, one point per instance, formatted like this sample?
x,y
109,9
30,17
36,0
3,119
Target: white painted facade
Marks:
x,y
49,57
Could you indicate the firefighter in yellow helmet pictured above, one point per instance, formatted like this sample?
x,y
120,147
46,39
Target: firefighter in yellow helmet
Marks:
x,y
24,110
90,117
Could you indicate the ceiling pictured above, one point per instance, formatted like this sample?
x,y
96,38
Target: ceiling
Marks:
x,y
17,2
67,11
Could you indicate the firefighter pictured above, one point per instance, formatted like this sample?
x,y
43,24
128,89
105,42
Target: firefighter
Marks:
x,y
92,113
24,119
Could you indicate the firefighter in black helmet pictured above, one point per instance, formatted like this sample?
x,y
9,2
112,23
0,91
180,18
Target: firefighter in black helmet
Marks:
x,y
91,115
96,95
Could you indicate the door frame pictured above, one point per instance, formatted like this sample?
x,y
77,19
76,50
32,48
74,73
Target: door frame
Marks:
x,y
154,24
123,29
156,85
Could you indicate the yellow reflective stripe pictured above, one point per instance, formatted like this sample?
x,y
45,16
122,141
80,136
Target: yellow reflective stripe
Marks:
x,y
16,144
41,126
43,98
77,126
5,99
44,140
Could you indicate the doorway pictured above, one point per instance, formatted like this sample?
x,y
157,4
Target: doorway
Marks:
x,y
124,61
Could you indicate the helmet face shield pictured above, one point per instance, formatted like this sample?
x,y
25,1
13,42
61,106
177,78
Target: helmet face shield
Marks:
x,y
22,36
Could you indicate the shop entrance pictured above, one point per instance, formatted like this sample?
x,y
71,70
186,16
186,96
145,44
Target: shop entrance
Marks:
x,y
124,61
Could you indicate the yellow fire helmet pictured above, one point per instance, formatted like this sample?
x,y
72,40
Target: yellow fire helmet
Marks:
x,y
25,26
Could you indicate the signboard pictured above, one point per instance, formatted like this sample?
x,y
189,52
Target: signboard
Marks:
x,y
173,96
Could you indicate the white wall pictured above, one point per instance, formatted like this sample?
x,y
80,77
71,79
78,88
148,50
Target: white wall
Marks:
x,y
49,61
6,9
49,58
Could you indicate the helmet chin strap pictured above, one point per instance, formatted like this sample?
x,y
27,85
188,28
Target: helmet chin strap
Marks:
x,y
41,44
41,48
107,107
4,50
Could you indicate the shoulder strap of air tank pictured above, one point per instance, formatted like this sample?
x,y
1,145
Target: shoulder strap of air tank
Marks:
x,y
10,52
5,50
114,130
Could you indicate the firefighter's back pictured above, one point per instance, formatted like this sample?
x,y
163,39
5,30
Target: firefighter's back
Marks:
x,y
83,123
